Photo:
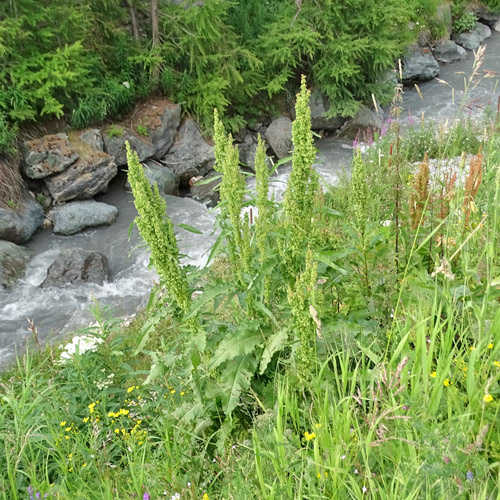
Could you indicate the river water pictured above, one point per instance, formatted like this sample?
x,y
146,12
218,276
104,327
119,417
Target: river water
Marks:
x,y
58,311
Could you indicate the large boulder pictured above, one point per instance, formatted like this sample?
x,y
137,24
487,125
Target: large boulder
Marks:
x,y
319,105
47,156
485,15
366,119
84,179
78,215
167,181
161,118
114,144
419,66
279,136
19,225
447,51
92,137
190,156
75,266
13,260
472,40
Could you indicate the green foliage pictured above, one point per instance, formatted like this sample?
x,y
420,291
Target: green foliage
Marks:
x,y
302,186
114,131
142,129
344,47
231,190
157,230
204,66
359,192
338,383
466,22
8,134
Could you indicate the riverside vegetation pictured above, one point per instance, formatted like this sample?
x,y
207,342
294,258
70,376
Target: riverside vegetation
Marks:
x,y
344,343
90,60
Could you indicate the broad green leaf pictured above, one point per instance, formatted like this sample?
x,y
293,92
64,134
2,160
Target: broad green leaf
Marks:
x,y
274,344
323,257
207,296
260,305
243,341
236,377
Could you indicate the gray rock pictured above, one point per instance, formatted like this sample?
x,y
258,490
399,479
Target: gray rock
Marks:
x,y
207,193
190,156
485,15
483,31
319,105
247,155
84,179
19,225
365,119
472,40
248,139
279,136
424,37
13,260
419,66
497,26
75,266
46,156
162,129
115,146
447,51
240,135
255,127
168,182
78,215
93,138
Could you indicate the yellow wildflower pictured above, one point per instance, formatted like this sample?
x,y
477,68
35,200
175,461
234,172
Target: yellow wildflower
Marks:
x,y
446,382
67,429
84,465
85,420
205,497
318,475
490,346
488,398
62,424
130,389
433,374
309,436
117,431
497,363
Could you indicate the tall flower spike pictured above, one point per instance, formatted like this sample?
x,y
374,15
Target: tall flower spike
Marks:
x,y
264,206
157,231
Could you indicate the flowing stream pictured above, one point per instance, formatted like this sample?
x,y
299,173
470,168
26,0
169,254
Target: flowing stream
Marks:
x,y
58,311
